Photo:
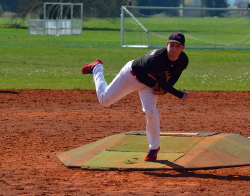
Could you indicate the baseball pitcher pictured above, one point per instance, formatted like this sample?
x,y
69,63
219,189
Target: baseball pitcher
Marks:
x,y
151,75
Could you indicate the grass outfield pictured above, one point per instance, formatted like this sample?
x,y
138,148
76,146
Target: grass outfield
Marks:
x,y
54,62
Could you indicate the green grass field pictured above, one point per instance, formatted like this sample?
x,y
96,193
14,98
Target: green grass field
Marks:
x,y
54,62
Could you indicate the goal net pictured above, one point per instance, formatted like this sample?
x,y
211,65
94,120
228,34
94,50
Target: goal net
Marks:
x,y
202,27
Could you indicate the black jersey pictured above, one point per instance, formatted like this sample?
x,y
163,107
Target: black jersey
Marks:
x,y
155,66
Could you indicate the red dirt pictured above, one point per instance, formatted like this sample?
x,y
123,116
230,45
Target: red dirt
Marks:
x,y
36,125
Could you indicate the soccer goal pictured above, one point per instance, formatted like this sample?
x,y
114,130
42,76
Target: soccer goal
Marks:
x,y
56,19
149,27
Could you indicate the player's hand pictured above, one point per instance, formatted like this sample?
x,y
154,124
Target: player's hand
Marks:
x,y
185,95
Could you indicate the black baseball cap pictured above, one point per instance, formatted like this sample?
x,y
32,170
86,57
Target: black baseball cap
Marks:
x,y
177,37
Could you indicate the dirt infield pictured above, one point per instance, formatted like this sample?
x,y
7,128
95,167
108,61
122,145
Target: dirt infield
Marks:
x,y
36,125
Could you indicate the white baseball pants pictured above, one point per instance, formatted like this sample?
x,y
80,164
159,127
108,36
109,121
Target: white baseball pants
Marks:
x,y
123,84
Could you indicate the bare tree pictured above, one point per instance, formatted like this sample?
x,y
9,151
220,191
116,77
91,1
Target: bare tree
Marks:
x,y
92,8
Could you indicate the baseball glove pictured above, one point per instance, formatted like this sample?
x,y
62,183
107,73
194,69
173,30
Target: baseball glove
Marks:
x,y
158,90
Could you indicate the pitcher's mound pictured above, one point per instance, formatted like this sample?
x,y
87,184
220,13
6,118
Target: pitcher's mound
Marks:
x,y
179,150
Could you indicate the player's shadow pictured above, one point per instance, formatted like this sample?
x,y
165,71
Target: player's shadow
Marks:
x,y
10,92
170,164
183,172
192,174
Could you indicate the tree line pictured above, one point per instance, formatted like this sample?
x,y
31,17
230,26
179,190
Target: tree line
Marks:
x,y
102,9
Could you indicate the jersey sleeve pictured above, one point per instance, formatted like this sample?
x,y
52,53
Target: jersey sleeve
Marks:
x,y
173,79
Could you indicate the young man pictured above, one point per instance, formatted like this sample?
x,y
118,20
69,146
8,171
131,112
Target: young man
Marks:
x,y
161,67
